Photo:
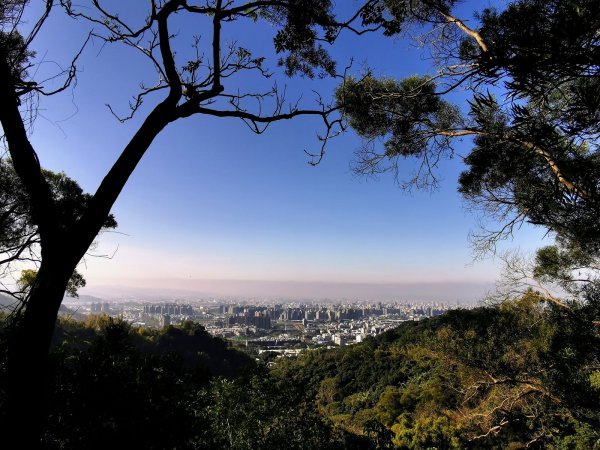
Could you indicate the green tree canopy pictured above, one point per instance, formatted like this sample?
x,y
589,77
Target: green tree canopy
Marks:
x,y
19,235
532,71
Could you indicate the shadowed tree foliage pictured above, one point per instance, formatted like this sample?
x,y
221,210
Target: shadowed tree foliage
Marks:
x,y
175,388
408,112
532,71
19,235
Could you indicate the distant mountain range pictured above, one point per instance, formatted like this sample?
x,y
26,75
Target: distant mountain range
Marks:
x,y
71,312
164,289
7,304
83,299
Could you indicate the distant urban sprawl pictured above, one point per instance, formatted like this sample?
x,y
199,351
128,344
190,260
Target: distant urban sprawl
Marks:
x,y
285,328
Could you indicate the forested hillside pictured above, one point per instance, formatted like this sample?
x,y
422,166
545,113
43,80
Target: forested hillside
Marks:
x,y
174,389
517,375
520,375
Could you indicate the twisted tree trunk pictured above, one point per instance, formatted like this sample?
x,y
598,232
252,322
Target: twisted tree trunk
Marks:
x,y
29,342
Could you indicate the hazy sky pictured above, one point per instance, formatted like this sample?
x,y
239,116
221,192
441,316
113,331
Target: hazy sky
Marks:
x,y
212,201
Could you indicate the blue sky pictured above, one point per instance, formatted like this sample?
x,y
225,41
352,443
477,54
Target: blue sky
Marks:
x,y
212,201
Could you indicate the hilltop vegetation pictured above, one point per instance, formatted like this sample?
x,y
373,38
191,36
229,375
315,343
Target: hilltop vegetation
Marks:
x,y
518,375
174,388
